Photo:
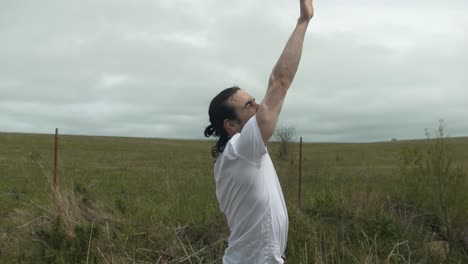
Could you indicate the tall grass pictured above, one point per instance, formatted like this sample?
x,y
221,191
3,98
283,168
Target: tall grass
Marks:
x,y
153,201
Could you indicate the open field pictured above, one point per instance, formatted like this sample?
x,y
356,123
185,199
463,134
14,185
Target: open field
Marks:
x,y
133,200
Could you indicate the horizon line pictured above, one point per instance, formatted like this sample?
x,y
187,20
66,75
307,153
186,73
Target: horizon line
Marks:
x,y
213,139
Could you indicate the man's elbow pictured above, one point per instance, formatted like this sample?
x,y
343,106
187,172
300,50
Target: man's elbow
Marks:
x,y
279,82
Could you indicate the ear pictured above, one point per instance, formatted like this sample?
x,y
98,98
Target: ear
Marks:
x,y
230,126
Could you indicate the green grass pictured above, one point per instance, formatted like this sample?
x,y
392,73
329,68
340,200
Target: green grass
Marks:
x,y
133,200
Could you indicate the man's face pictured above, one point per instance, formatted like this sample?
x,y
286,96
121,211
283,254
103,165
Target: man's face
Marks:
x,y
244,105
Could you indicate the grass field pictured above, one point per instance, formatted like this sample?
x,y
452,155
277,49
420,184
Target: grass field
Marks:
x,y
134,200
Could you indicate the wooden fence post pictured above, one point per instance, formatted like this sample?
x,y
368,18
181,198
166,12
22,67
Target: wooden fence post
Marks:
x,y
55,161
300,173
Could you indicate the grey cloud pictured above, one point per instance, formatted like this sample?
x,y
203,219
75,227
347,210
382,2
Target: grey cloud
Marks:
x,y
150,68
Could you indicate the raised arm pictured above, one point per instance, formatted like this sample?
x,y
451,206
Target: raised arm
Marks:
x,y
283,74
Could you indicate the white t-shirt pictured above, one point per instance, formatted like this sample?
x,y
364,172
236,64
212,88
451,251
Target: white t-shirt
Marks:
x,y
250,196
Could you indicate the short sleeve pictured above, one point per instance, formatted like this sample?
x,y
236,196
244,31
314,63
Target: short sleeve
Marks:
x,y
249,143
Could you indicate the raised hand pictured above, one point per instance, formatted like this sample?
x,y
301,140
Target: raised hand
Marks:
x,y
307,10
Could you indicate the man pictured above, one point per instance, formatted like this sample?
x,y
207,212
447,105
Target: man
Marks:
x,y
247,187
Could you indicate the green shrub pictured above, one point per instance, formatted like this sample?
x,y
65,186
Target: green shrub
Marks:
x,y
432,182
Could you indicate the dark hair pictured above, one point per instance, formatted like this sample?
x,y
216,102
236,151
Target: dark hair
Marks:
x,y
219,111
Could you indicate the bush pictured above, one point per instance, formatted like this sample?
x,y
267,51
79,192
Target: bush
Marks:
x,y
433,183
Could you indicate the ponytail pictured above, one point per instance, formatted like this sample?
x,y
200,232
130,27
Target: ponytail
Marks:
x,y
209,131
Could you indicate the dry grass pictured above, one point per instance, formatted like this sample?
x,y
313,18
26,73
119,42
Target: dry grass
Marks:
x,y
124,200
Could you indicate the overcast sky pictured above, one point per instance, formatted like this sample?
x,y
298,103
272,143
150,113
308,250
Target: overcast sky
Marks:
x,y
370,70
